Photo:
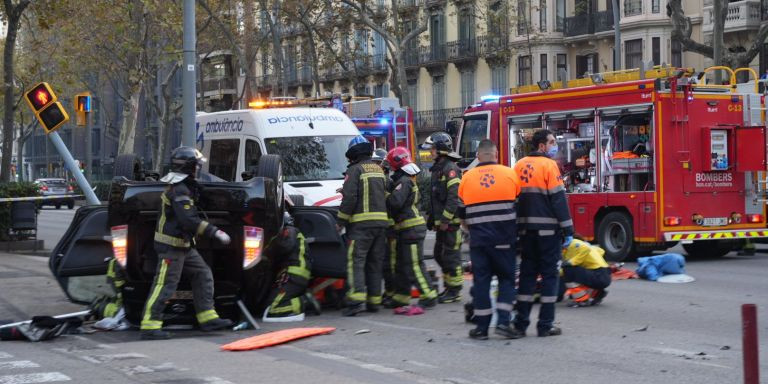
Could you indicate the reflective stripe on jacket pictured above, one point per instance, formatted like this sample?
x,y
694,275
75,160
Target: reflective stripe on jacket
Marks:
x,y
403,203
542,204
488,193
178,221
364,195
444,200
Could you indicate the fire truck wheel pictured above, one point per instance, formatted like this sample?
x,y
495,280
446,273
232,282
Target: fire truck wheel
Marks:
x,y
616,236
710,249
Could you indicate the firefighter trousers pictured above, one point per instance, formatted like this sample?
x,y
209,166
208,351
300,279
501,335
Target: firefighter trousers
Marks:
x,y
488,261
410,271
170,266
287,297
448,256
388,267
365,256
541,256
599,278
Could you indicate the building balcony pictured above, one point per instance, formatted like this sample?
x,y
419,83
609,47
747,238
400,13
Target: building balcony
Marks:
x,y
305,76
435,4
379,63
408,6
462,50
588,24
494,45
433,56
742,15
434,120
264,82
220,84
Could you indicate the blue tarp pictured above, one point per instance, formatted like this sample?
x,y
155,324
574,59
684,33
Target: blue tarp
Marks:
x,y
653,267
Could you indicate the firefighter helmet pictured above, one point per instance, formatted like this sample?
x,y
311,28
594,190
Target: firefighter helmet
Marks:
x,y
398,157
440,141
379,155
186,160
359,147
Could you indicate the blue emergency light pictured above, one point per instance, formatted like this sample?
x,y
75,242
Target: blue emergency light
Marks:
x,y
487,98
383,121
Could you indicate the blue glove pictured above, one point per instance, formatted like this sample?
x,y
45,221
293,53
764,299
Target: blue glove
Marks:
x,y
567,241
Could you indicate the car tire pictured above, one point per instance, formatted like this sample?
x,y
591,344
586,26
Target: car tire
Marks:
x,y
70,205
58,206
616,236
128,166
298,200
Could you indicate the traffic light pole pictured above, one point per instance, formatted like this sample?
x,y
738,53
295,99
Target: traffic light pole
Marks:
x,y
90,197
189,77
88,146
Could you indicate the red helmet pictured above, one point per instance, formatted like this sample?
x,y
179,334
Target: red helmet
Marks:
x,y
398,157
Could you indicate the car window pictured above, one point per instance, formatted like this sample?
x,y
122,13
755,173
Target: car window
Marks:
x,y
252,154
223,158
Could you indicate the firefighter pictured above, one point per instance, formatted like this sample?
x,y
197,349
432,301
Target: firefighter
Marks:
x,y
441,214
109,306
545,227
363,212
488,193
410,227
177,224
584,274
388,265
289,250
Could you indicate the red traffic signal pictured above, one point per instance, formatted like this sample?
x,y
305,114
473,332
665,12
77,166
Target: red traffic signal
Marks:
x,y
40,97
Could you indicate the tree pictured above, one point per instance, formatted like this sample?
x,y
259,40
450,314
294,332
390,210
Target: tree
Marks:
x,y
734,56
12,13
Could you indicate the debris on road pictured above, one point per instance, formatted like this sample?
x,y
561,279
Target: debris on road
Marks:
x,y
275,338
363,331
643,329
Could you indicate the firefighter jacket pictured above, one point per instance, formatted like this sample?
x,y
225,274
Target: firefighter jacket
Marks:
x,y
542,205
444,197
178,222
288,250
363,201
403,207
488,194
582,254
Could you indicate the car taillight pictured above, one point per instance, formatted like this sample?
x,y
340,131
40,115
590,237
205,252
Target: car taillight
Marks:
x,y
253,238
671,220
120,243
754,218
43,187
70,188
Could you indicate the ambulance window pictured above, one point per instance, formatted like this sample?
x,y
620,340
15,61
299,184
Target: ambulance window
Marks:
x,y
223,158
252,155
475,129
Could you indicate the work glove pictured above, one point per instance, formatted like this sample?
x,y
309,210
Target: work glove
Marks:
x,y
222,237
567,241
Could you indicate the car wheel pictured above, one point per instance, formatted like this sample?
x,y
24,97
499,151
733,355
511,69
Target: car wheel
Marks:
x,y
58,206
709,249
271,167
70,205
616,236
298,200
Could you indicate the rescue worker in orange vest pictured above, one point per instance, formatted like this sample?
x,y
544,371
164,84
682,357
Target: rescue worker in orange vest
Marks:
x,y
585,274
488,194
545,227
444,200
363,212
410,227
178,223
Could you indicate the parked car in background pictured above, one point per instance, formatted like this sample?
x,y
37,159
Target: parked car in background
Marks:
x,y
64,193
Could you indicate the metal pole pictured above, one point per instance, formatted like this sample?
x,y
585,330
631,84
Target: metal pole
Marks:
x,y
90,197
717,37
749,344
188,132
88,145
616,36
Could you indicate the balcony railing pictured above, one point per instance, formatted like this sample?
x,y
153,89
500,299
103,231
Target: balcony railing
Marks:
x,y
742,15
461,50
379,63
434,120
434,55
492,45
218,83
588,24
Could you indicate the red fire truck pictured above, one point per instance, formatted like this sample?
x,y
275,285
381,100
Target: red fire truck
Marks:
x,y
384,122
647,162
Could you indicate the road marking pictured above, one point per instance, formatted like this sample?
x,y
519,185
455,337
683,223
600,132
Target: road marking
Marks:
x,y
31,378
17,364
420,364
98,359
329,356
380,368
216,380
5,355
141,369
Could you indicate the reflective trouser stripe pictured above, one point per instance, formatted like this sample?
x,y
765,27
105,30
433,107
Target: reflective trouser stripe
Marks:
x,y
402,299
147,322
206,316
456,280
356,296
447,215
547,299
426,290
525,298
299,271
504,306
369,216
483,312
110,310
457,244
293,306
374,300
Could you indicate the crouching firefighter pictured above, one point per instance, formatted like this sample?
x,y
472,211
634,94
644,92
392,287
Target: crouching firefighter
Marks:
x,y
410,228
288,249
109,306
177,225
585,274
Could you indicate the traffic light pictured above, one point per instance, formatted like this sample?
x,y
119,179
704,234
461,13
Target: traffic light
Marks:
x,y
82,108
48,111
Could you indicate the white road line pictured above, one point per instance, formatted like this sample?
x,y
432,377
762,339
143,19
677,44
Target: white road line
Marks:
x,y
5,355
216,380
31,378
380,368
141,369
420,364
17,364
98,359
329,356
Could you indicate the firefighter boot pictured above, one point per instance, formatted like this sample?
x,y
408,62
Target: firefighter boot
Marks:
x,y
509,332
353,309
428,303
450,295
155,334
554,331
215,324
478,334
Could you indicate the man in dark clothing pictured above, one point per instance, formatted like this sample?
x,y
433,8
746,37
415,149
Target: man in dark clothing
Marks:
x,y
364,214
444,200
178,223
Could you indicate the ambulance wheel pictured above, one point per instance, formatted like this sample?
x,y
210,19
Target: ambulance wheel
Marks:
x,y
709,249
128,166
271,167
616,236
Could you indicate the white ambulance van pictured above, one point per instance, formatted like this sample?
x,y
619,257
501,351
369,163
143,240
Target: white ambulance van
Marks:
x,y
310,141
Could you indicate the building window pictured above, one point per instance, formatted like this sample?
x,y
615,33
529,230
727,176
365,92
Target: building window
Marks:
x,y
499,80
633,53
438,92
559,15
467,88
677,53
633,8
543,15
655,6
413,93
656,50
436,36
381,90
562,63
586,64
543,67
523,17
466,25
524,70
497,18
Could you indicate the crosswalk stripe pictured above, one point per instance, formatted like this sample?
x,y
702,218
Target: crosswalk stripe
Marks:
x,y
98,359
17,364
6,355
32,378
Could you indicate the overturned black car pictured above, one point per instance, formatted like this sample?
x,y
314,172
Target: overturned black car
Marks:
x,y
251,212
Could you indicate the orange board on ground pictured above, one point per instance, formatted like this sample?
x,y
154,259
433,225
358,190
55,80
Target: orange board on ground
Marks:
x,y
275,338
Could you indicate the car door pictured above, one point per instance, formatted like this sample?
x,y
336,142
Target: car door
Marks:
x,y
327,249
79,260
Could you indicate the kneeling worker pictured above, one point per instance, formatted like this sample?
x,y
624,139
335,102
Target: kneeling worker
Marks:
x,y
585,274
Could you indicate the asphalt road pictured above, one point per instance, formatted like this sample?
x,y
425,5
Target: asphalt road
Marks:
x,y
644,332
